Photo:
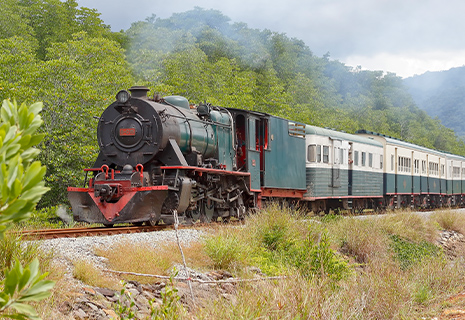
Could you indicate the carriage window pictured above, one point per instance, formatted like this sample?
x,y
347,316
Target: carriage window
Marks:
x,y
341,156
356,158
392,162
336,151
423,166
433,168
417,166
325,154
314,153
311,153
364,156
370,160
381,161
443,170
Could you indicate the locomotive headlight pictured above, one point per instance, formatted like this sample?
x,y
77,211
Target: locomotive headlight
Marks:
x,y
123,96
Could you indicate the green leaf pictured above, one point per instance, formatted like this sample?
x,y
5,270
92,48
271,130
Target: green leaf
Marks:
x,y
24,308
16,189
30,154
34,194
39,291
15,208
25,140
33,175
11,281
34,269
35,108
36,139
25,279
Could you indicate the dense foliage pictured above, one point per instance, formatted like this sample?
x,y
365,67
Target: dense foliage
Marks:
x,y
65,56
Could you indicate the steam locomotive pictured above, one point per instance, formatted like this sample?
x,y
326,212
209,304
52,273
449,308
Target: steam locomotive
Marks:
x,y
160,155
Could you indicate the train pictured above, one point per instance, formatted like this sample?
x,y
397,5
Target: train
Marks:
x,y
161,155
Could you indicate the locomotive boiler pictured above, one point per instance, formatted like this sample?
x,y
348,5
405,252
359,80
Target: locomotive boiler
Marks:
x,y
158,155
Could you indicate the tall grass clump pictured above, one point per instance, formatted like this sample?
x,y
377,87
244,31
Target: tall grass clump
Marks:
x,y
226,249
363,240
90,275
411,226
450,220
340,268
278,241
12,248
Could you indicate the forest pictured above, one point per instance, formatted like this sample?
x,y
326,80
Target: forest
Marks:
x,y
66,57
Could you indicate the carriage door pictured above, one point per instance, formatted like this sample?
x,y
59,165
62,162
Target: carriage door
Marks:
x,y
253,152
336,167
351,167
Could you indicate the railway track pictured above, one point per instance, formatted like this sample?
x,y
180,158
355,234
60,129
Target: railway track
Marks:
x,y
86,232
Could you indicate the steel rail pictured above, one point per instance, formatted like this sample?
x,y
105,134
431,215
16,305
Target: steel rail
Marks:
x,y
86,232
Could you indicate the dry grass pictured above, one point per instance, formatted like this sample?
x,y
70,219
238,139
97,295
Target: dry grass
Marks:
x,y
410,226
92,276
450,220
363,240
140,258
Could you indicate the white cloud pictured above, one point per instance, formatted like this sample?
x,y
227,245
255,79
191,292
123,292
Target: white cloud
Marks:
x,y
401,36
409,63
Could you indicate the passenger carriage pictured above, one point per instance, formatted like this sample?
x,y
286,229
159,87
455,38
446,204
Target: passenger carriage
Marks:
x,y
455,172
342,170
413,176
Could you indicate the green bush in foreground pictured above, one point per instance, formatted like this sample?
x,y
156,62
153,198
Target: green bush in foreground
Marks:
x,y
21,187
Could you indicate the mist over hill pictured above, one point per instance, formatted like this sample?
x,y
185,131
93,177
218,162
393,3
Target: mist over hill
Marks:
x,y
441,94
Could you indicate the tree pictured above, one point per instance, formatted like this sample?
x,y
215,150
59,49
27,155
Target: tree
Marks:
x,y
12,23
77,81
55,21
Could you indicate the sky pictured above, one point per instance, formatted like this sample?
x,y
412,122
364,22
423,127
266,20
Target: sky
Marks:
x,y
406,37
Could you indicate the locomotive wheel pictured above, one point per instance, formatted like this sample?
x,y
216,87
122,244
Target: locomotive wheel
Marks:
x,y
208,214
152,223
195,216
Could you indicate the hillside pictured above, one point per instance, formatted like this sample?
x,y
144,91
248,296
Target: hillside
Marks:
x,y
441,94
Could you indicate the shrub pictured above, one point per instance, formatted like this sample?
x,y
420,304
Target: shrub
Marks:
x,y
321,261
225,250
408,253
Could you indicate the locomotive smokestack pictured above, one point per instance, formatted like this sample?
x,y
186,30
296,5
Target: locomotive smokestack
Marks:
x,y
139,92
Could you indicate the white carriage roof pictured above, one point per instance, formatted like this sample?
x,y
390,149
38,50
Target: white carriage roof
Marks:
x,y
398,142
338,135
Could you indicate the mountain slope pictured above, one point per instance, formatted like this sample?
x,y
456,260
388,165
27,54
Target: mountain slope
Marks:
x,y
441,94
